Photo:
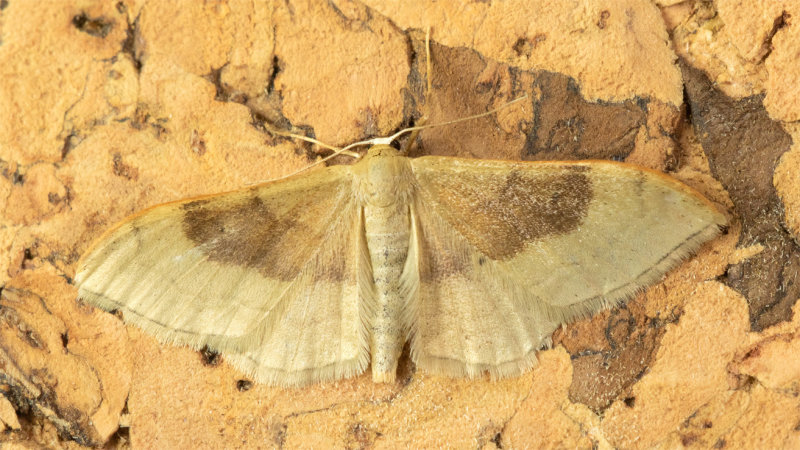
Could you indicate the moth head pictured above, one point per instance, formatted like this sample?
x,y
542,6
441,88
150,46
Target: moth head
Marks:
x,y
382,151
381,174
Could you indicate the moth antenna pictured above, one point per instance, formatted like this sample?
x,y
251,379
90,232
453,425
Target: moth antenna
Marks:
x,y
390,139
337,150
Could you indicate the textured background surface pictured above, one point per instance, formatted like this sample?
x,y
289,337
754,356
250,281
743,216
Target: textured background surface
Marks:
x,y
109,107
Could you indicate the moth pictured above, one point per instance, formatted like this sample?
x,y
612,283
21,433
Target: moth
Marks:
x,y
474,262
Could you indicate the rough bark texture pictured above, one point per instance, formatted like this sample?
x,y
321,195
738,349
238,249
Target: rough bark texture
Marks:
x,y
107,108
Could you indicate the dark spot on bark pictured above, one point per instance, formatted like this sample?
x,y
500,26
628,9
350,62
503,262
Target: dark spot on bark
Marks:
x,y
224,91
142,119
17,177
278,433
31,337
490,432
131,45
498,440
65,339
276,69
753,353
210,357
123,170
525,45
777,24
688,439
198,143
629,401
120,439
611,353
362,437
69,143
729,131
98,27
567,127
602,22
159,129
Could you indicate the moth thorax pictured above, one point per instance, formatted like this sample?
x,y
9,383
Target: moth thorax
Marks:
x,y
385,177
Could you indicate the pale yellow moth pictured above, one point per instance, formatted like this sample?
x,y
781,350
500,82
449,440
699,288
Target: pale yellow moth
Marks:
x,y
475,262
